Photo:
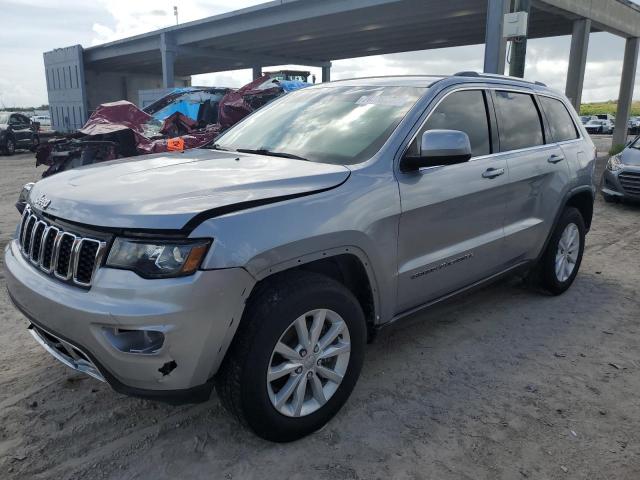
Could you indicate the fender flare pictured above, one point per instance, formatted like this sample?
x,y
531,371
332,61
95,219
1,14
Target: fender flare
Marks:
x,y
568,196
324,255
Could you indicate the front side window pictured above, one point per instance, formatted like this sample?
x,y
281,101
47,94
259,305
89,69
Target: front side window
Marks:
x,y
465,111
339,125
519,121
560,121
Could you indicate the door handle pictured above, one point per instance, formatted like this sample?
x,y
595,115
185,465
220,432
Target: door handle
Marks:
x,y
555,158
493,173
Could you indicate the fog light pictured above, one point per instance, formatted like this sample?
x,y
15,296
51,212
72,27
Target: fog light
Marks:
x,y
145,342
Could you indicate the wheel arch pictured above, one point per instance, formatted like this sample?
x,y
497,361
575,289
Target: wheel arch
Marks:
x,y
348,265
582,199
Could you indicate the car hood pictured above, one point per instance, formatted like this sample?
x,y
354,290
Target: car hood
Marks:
x,y
630,156
166,191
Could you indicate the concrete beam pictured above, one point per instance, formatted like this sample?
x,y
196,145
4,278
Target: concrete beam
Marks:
x,y
168,52
248,57
495,44
326,74
578,61
629,69
614,16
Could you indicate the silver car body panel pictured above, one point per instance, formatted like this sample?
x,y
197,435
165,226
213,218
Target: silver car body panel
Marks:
x,y
420,236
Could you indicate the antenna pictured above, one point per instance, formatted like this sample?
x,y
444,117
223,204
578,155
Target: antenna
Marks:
x,y
175,12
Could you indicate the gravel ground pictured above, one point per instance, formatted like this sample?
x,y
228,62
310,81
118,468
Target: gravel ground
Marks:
x,y
504,383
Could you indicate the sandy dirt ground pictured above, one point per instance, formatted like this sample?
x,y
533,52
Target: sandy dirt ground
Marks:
x,y
504,383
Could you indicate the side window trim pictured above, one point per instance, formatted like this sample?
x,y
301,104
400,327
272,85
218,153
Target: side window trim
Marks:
x,y
531,94
578,131
489,112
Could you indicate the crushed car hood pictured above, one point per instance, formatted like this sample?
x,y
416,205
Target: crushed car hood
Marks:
x,y
166,191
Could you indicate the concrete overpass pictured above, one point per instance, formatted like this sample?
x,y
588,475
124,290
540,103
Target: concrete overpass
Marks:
x,y
313,33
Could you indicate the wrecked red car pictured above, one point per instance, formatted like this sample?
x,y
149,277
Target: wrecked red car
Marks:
x,y
187,118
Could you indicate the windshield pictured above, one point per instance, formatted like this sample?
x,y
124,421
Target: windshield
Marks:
x,y
339,125
4,117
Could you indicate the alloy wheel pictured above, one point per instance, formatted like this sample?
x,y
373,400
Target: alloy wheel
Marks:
x,y
567,253
308,363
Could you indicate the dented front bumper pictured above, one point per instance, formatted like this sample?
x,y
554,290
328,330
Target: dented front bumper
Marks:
x,y
198,316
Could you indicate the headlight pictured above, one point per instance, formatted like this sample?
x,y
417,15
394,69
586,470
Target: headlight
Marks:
x,y
614,163
24,196
158,259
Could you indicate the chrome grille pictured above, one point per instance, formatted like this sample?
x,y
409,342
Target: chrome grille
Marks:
x,y
67,256
630,182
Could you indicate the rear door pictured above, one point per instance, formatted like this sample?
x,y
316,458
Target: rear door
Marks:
x,y
451,227
538,173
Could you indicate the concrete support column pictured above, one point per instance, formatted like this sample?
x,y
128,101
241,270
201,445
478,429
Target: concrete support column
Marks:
x,y
578,61
257,71
168,52
495,43
625,98
326,74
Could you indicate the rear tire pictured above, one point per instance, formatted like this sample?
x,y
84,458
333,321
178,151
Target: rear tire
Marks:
x,y
245,381
561,260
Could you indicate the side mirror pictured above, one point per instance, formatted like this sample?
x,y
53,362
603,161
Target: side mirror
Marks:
x,y
439,148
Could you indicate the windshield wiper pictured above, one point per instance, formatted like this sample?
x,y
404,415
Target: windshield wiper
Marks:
x,y
264,151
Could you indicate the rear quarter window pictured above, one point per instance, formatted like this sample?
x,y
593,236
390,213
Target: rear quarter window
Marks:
x,y
519,122
559,119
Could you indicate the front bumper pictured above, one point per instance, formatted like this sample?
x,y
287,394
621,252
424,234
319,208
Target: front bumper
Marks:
x,y
623,183
198,316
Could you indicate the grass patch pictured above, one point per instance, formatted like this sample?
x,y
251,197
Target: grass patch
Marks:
x,y
610,107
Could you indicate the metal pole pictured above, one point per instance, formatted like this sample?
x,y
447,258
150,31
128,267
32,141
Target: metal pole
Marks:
x,y
578,61
257,71
519,46
629,69
495,44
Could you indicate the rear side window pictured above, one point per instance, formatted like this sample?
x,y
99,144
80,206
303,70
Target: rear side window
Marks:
x,y
519,121
465,111
560,121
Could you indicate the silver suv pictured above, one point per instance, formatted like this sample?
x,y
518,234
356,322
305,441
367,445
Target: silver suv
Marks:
x,y
264,264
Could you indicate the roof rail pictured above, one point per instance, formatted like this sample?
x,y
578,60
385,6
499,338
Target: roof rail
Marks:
x,y
493,75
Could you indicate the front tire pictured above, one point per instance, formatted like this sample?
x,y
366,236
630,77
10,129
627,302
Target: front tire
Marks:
x,y
295,358
10,147
562,258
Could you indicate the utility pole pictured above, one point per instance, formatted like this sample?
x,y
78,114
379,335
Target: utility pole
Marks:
x,y
519,45
175,12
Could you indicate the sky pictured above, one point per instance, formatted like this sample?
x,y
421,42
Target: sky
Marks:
x,y
43,25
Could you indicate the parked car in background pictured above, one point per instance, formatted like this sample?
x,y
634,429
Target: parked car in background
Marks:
x,y
263,264
600,127
634,126
43,121
607,116
621,177
17,131
584,119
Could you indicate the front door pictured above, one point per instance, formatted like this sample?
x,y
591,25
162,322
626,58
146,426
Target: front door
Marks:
x,y
451,227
